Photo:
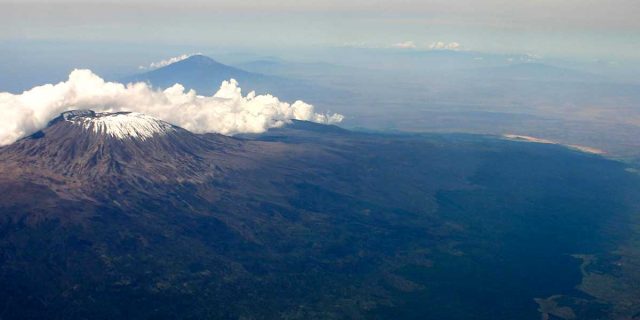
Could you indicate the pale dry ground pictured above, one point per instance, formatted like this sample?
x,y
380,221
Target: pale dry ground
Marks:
x,y
546,141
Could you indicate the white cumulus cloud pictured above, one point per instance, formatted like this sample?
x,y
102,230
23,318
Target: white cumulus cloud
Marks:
x,y
439,45
405,45
166,62
227,111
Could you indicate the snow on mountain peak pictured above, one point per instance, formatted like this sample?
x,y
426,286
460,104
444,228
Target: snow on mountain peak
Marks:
x,y
120,125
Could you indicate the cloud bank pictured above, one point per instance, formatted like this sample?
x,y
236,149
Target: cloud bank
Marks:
x,y
227,111
454,46
166,62
438,45
405,45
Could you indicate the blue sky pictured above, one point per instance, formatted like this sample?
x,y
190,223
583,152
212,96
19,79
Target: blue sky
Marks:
x,y
570,28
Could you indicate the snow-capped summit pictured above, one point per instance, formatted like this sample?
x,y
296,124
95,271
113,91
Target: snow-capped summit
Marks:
x,y
119,125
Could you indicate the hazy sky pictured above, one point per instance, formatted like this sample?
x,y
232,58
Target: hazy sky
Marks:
x,y
580,28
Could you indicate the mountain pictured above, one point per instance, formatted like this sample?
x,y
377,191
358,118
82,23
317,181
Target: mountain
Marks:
x,y
200,73
120,215
117,148
205,75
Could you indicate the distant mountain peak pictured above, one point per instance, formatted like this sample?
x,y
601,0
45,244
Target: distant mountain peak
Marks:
x,y
197,60
197,72
119,125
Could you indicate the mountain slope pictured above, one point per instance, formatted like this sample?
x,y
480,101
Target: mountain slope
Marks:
x,y
108,216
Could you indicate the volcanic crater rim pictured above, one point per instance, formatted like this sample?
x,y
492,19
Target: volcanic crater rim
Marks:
x,y
119,125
